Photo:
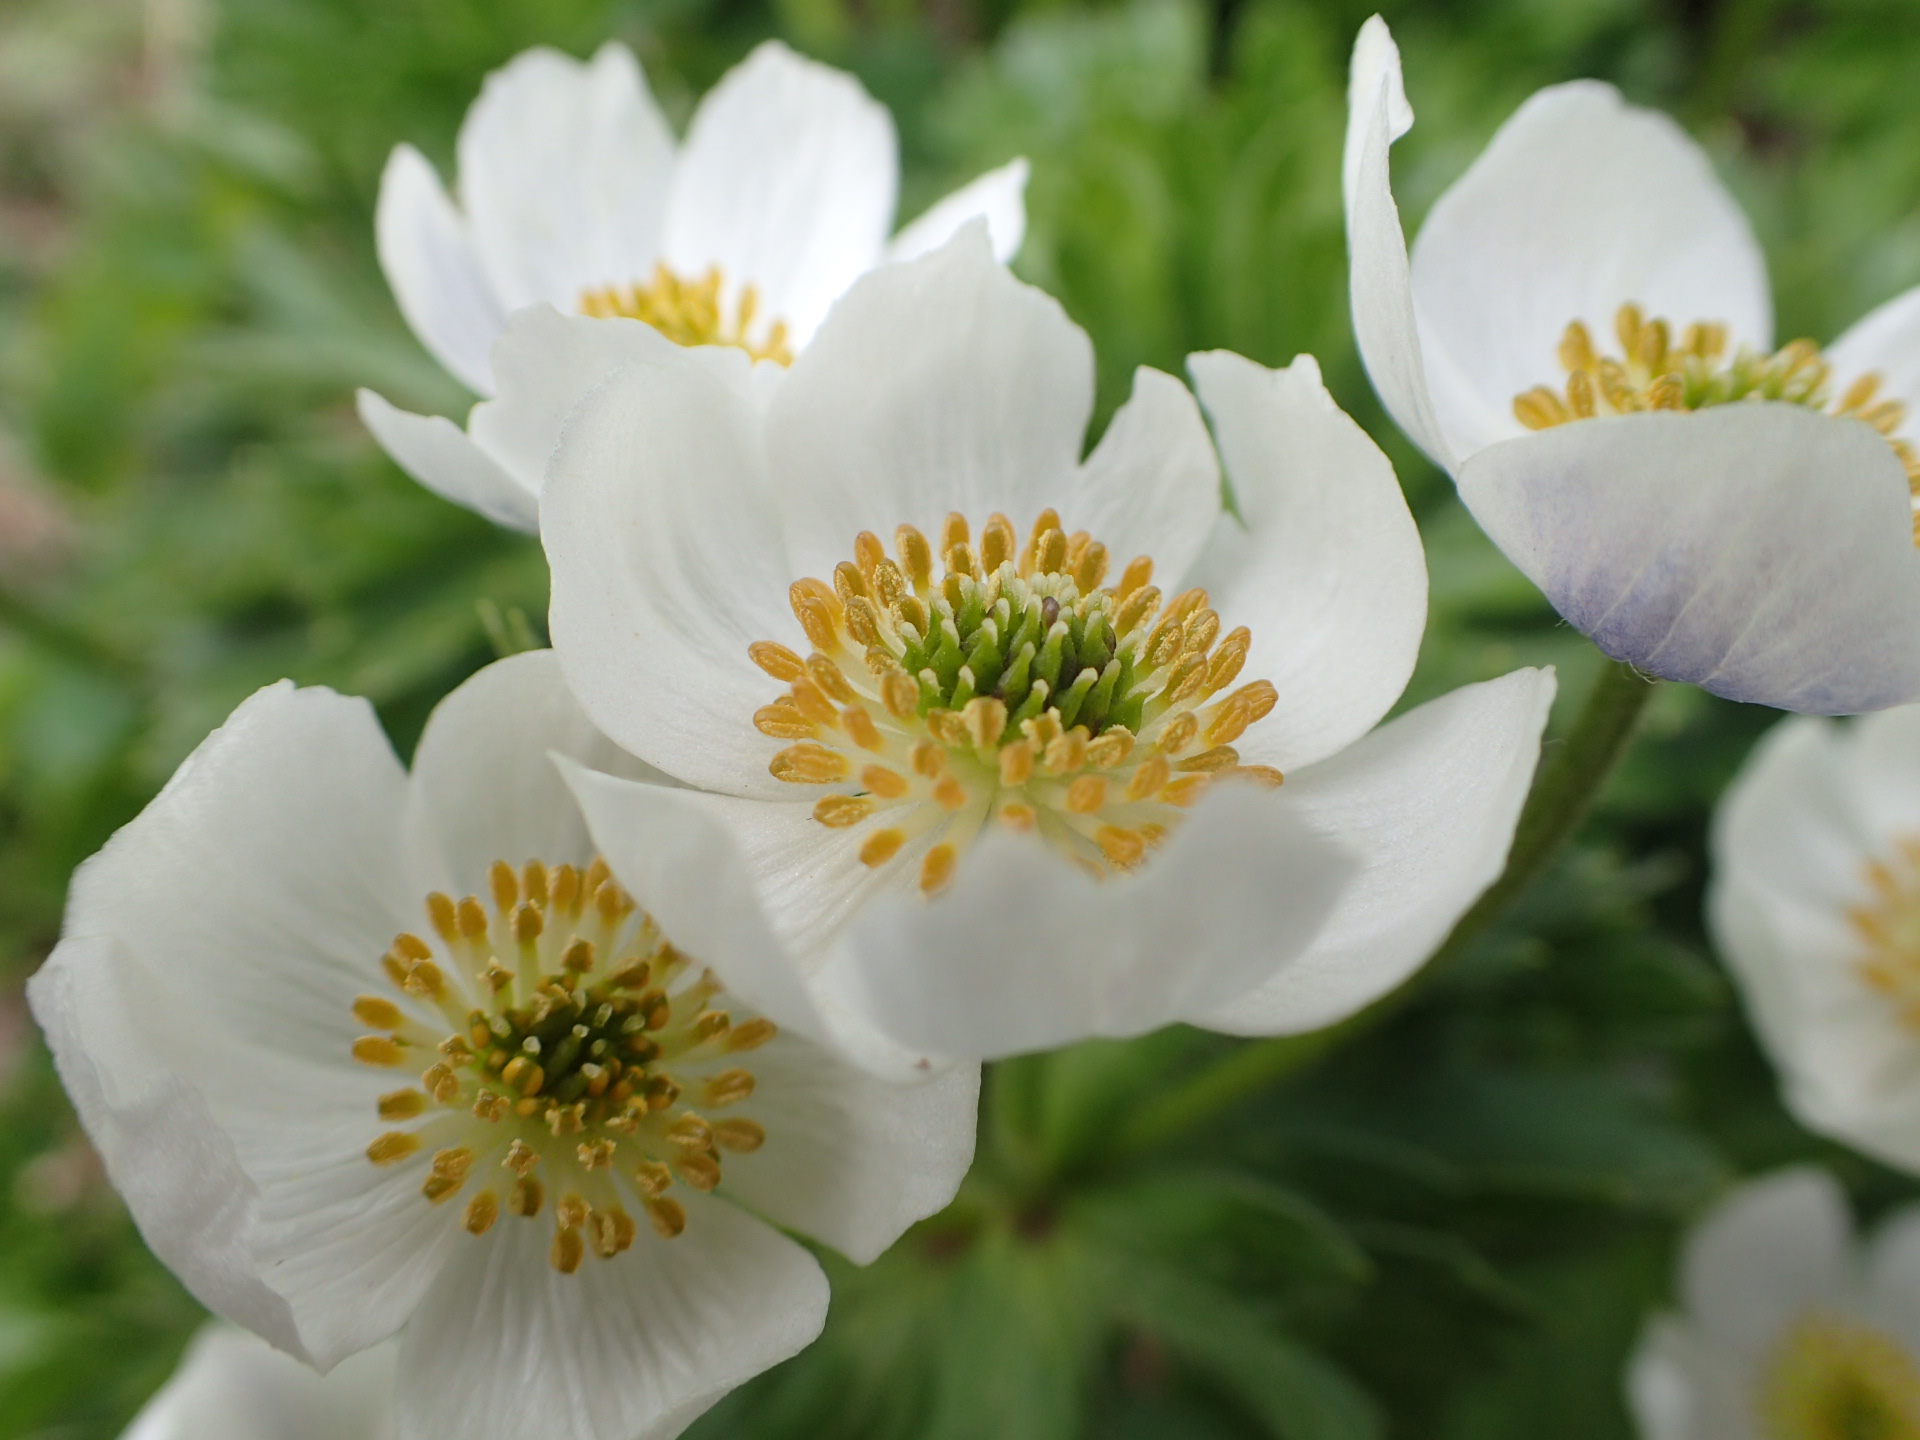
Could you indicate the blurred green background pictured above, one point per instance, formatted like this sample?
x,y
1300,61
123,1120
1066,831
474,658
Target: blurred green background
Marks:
x,y
1446,1225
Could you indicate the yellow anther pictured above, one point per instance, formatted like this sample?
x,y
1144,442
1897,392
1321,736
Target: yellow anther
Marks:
x,y
900,695
441,1083
742,1137
595,1155
1087,794
840,811
521,1158
425,978
916,556
1185,790
568,1251
1208,762
881,846
1576,347
1018,816
1153,773
812,702
885,783
402,1105
777,660
1179,732
949,794
380,1014
443,916
504,884
729,1087
698,1169
482,1210
860,728
1016,763
817,610
612,1231
1123,848
750,1036
985,721
808,764
667,1215
392,1147
379,1050
411,947
528,923
473,919
936,870
927,758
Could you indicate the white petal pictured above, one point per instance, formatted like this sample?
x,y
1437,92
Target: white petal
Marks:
x,y
1775,1248
564,171
169,1160
1381,288
1326,570
234,1386
429,261
940,385
1024,952
1893,1275
1427,803
631,1348
851,1159
787,182
1660,1385
754,889
999,195
1152,485
442,457
546,363
667,564
484,784
1580,204
1760,550
1886,341
1882,761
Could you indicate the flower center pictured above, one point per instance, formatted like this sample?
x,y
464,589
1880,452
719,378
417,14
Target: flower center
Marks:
x,y
1889,923
565,1046
1016,687
693,312
1653,372
1836,1379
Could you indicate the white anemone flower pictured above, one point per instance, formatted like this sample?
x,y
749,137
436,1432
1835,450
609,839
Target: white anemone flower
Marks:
x,y
1815,903
371,1052
232,1385
573,194
996,785
1788,1329
1583,338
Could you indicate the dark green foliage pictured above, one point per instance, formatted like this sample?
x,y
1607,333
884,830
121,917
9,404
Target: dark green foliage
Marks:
x,y
1445,1220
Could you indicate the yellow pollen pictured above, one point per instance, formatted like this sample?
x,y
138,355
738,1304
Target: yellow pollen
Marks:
x,y
1659,370
975,678
1834,1378
555,1029
694,312
1887,923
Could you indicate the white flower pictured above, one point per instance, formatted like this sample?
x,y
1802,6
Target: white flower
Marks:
x,y
232,1385
1008,717
522,1129
1580,307
1815,903
1787,1331
574,195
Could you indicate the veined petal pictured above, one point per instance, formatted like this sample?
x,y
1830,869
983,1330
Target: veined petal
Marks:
x,y
1237,893
1381,288
1775,1249
1427,805
1885,341
1322,563
667,564
546,363
171,1162
940,385
1000,196
564,171
631,1348
445,459
429,260
484,785
852,1159
787,182
1580,204
234,1386
1759,550
754,889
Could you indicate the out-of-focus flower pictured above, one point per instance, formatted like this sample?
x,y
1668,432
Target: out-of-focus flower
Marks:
x,y
992,788
520,1128
1787,1331
1815,903
232,1385
574,195
1584,339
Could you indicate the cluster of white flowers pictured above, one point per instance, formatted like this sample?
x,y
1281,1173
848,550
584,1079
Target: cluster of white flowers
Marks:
x,y
887,731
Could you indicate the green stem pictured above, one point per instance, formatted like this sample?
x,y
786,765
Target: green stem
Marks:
x,y
1571,773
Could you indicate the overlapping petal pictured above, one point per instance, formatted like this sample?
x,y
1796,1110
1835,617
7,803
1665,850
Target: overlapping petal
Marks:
x,y
787,182
233,1386
564,175
1761,551
1426,806
998,197
1320,558
447,460
428,255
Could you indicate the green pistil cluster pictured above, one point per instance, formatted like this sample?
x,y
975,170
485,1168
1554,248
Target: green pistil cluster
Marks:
x,y
1030,643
